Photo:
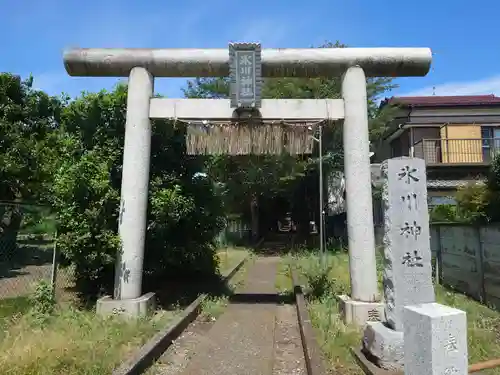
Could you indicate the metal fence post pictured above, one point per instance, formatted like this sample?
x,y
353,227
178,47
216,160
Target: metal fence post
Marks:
x,y
55,262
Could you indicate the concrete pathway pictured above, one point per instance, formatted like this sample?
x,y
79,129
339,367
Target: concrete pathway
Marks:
x,y
251,339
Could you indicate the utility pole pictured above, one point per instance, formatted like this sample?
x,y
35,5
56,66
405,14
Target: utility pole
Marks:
x,y
321,205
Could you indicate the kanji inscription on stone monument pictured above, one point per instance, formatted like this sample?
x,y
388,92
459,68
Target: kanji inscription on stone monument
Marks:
x,y
414,260
412,229
408,271
451,343
407,174
450,371
373,315
411,200
245,74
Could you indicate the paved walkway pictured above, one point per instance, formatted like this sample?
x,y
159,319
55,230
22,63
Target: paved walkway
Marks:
x,y
251,339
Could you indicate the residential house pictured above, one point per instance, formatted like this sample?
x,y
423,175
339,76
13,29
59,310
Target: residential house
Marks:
x,y
457,136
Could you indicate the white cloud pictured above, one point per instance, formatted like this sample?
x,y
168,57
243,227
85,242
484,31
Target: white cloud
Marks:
x,y
484,86
51,82
269,32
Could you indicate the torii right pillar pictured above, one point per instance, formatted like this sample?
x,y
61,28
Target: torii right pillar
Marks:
x,y
363,304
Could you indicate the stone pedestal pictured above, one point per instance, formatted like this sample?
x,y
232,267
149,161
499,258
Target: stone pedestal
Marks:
x,y
383,346
435,340
358,312
134,307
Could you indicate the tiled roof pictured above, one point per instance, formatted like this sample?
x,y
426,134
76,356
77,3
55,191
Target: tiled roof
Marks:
x,y
437,184
431,183
443,101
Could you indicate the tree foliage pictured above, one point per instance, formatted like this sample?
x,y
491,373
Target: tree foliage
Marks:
x,y
472,203
270,175
443,213
28,120
477,202
493,185
184,214
69,154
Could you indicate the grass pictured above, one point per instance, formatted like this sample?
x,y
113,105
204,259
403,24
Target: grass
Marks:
x,y
10,310
283,281
74,342
78,342
229,257
335,337
12,306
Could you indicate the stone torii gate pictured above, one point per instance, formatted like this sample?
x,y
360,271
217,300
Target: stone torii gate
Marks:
x,y
142,65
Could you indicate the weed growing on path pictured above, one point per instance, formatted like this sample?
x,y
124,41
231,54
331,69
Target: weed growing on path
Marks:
x,y
213,307
283,282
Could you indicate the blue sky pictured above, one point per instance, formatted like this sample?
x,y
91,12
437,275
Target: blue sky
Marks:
x,y
462,34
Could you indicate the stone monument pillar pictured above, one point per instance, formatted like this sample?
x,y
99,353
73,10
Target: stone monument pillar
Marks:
x,y
407,257
362,304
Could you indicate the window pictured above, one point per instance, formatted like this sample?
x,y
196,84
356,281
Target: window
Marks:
x,y
440,200
401,145
490,142
396,149
486,133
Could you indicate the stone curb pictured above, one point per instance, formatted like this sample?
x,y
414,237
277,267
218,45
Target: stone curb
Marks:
x,y
368,367
312,351
156,346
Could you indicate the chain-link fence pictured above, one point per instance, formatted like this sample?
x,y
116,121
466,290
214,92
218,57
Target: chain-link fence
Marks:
x,y
28,252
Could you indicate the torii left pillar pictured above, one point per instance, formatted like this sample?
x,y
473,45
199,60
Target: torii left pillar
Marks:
x,y
128,298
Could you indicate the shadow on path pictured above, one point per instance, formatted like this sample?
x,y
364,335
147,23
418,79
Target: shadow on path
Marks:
x,y
262,298
172,294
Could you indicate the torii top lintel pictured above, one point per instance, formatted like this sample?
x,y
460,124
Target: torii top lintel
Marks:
x,y
286,62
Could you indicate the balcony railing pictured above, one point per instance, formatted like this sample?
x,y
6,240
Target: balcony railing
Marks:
x,y
457,151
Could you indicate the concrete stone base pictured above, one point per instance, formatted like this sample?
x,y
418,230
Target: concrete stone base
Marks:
x,y
384,346
358,312
136,307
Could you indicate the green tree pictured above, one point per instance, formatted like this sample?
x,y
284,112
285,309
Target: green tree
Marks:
x,y
28,127
184,214
493,186
253,177
473,200
28,124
